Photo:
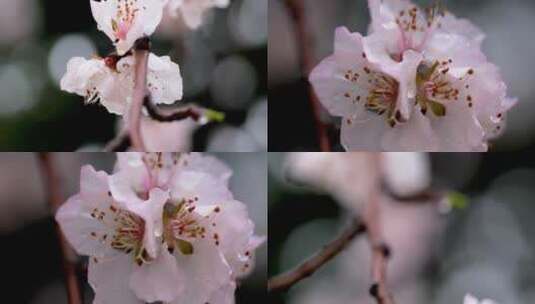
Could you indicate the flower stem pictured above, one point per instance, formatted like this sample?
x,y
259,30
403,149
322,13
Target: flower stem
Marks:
x,y
51,184
296,9
180,114
120,143
286,280
141,56
380,250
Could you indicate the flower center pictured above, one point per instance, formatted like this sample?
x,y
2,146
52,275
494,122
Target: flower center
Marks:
x,y
415,25
128,232
383,96
436,87
183,225
126,13
382,93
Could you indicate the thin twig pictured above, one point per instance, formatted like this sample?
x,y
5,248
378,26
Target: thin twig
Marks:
x,y
120,143
286,280
141,56
424,196
51,183
380,250
296,9
170,116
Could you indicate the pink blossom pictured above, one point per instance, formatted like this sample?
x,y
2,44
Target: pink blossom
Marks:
x,y
125,21
110,81
418,82
164,227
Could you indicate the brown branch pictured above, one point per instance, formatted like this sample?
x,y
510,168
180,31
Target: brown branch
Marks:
x,y
286,280
380,250
296,9
51,183
141,56
120,143
424,196
169,116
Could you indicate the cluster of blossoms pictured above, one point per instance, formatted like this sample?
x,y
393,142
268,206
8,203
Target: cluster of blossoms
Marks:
x,y
163,227
418,81
110,80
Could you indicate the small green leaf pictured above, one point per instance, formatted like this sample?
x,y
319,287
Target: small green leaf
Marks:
x,y
185,247
437,108
457,200
214,116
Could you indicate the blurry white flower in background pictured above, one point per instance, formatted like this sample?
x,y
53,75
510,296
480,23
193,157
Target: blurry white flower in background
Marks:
x,y
250,137
193,11
198,63
257,124
234,83
18,20
412,232
168,137
231,139
339,173
282,49
16,91
66,47
407,173
245,22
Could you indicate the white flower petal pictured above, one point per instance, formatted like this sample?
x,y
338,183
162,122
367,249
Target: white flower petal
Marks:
x,y
109,279
164,80
459,130
207,189
82,75
237,241
225,294
193,11
363,134
126,21
414,135
77,220
462,27
208,164
207,271
160,280
330,87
